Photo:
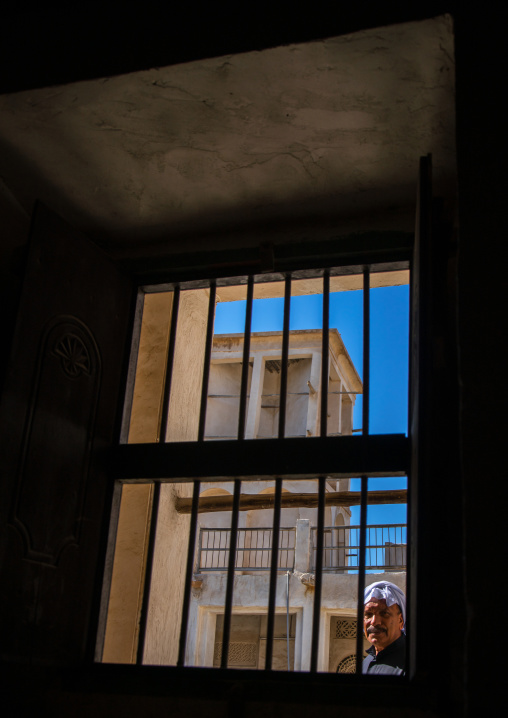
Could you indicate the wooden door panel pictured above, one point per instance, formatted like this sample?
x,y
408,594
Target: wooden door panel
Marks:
x,y
58,414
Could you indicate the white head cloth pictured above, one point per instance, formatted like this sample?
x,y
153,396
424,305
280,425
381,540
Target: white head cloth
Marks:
x,y
391,594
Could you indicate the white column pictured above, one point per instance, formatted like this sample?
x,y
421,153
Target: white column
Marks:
x,y
307,617
347,413
314,398
303,546
341,389
256,389
193,634
298,638
324,643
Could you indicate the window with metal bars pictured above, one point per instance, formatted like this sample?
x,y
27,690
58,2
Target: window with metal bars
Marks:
x,y
174,575
170,469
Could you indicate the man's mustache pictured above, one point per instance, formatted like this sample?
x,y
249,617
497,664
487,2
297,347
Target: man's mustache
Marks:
x,y
375,629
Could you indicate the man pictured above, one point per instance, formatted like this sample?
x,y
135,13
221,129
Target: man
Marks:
x,y
384,625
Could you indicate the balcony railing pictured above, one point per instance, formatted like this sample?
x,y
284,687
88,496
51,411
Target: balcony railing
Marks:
x,y
253,551
386,548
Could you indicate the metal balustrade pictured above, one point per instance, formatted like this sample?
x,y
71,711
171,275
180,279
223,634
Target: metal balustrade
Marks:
x,y
385,547
253,549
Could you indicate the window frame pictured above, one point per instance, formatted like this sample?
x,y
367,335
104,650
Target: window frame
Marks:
x,y
363,455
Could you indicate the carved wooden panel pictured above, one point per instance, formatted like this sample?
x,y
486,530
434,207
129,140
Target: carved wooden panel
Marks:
x,y
63,404
58,411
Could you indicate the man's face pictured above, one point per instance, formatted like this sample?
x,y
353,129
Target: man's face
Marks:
x,y
382,624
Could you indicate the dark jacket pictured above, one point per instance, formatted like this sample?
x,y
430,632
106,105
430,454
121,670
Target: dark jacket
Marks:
x,y
389,661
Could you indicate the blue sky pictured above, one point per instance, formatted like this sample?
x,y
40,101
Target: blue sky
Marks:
x,y
389,337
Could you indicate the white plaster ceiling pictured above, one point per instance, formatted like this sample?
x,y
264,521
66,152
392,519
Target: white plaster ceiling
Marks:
x,y
330,128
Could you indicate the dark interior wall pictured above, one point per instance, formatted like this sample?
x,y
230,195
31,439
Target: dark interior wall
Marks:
x,y
482,299
461,597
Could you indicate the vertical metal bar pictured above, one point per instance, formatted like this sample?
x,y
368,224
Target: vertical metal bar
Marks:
x,y
169,366
206,362
246,354
284,357
188,574
270,626
318,574
325,352
200,547
228,604
325,349
365,431
143,619
366,351
130,379
361,574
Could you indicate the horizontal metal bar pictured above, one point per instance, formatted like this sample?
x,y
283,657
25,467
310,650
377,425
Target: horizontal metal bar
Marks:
x,y
387,251
333,456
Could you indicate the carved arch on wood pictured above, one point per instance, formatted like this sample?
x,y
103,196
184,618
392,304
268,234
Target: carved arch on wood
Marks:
x,y
53,470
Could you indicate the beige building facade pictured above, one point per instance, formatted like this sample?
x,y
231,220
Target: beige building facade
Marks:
x,y
295,583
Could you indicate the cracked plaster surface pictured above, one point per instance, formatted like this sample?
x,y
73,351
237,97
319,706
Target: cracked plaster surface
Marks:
x,y
342,121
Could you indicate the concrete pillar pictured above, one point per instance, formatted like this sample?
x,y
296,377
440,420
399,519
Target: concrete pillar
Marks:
x,y
122,627
170,554
193,632
314,399
306,636
298,639
341,389
163,624
303,546
256,389
150,368
128,572
324,643
184,407
347,414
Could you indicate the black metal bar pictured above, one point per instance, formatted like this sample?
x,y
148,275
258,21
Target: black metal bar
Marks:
x,y
366,351
344,457
188,574
169,365
273,574
361,574
318,574
284,357
131,369
143,619
246,354
206,362
390,250
325,361
228,604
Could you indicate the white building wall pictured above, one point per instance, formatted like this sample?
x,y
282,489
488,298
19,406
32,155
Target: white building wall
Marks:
x,y
339,598
251,587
